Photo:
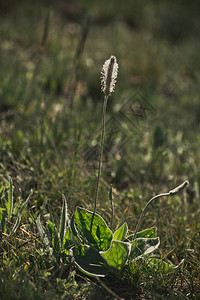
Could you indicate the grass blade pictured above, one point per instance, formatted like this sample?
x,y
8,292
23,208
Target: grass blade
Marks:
x,y
42,233
2,219
16,225
64,220
10,199
25,203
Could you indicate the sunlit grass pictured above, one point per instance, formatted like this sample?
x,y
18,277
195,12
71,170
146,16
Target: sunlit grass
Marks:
x,y
41,141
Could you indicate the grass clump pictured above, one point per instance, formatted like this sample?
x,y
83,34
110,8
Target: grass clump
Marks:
x,y
51,123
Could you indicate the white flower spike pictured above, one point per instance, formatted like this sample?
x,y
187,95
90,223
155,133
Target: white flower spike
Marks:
x,y
109,75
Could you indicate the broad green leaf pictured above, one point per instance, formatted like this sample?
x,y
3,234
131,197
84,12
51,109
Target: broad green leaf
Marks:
x,y
42,233
51,226
147,233
143,246
160,265
97,235
72,225
89,261
117,255
64,220
10,199
121,232
67,241
54,237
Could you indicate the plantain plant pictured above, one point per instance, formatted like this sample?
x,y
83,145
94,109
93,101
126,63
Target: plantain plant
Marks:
x,y
86,239
99,251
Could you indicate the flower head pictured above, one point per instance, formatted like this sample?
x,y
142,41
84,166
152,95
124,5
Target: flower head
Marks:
x,y
109,75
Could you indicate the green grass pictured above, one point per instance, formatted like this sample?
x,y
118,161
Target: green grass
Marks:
x,y
42,137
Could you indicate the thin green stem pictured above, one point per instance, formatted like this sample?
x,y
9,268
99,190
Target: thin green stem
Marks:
x,y
101,151
112,207
100,155
144,210
173,192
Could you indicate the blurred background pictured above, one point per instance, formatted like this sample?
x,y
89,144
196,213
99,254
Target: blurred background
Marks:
x,y
52,54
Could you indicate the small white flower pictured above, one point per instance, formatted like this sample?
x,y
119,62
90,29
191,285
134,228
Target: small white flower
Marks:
x,y
109,75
